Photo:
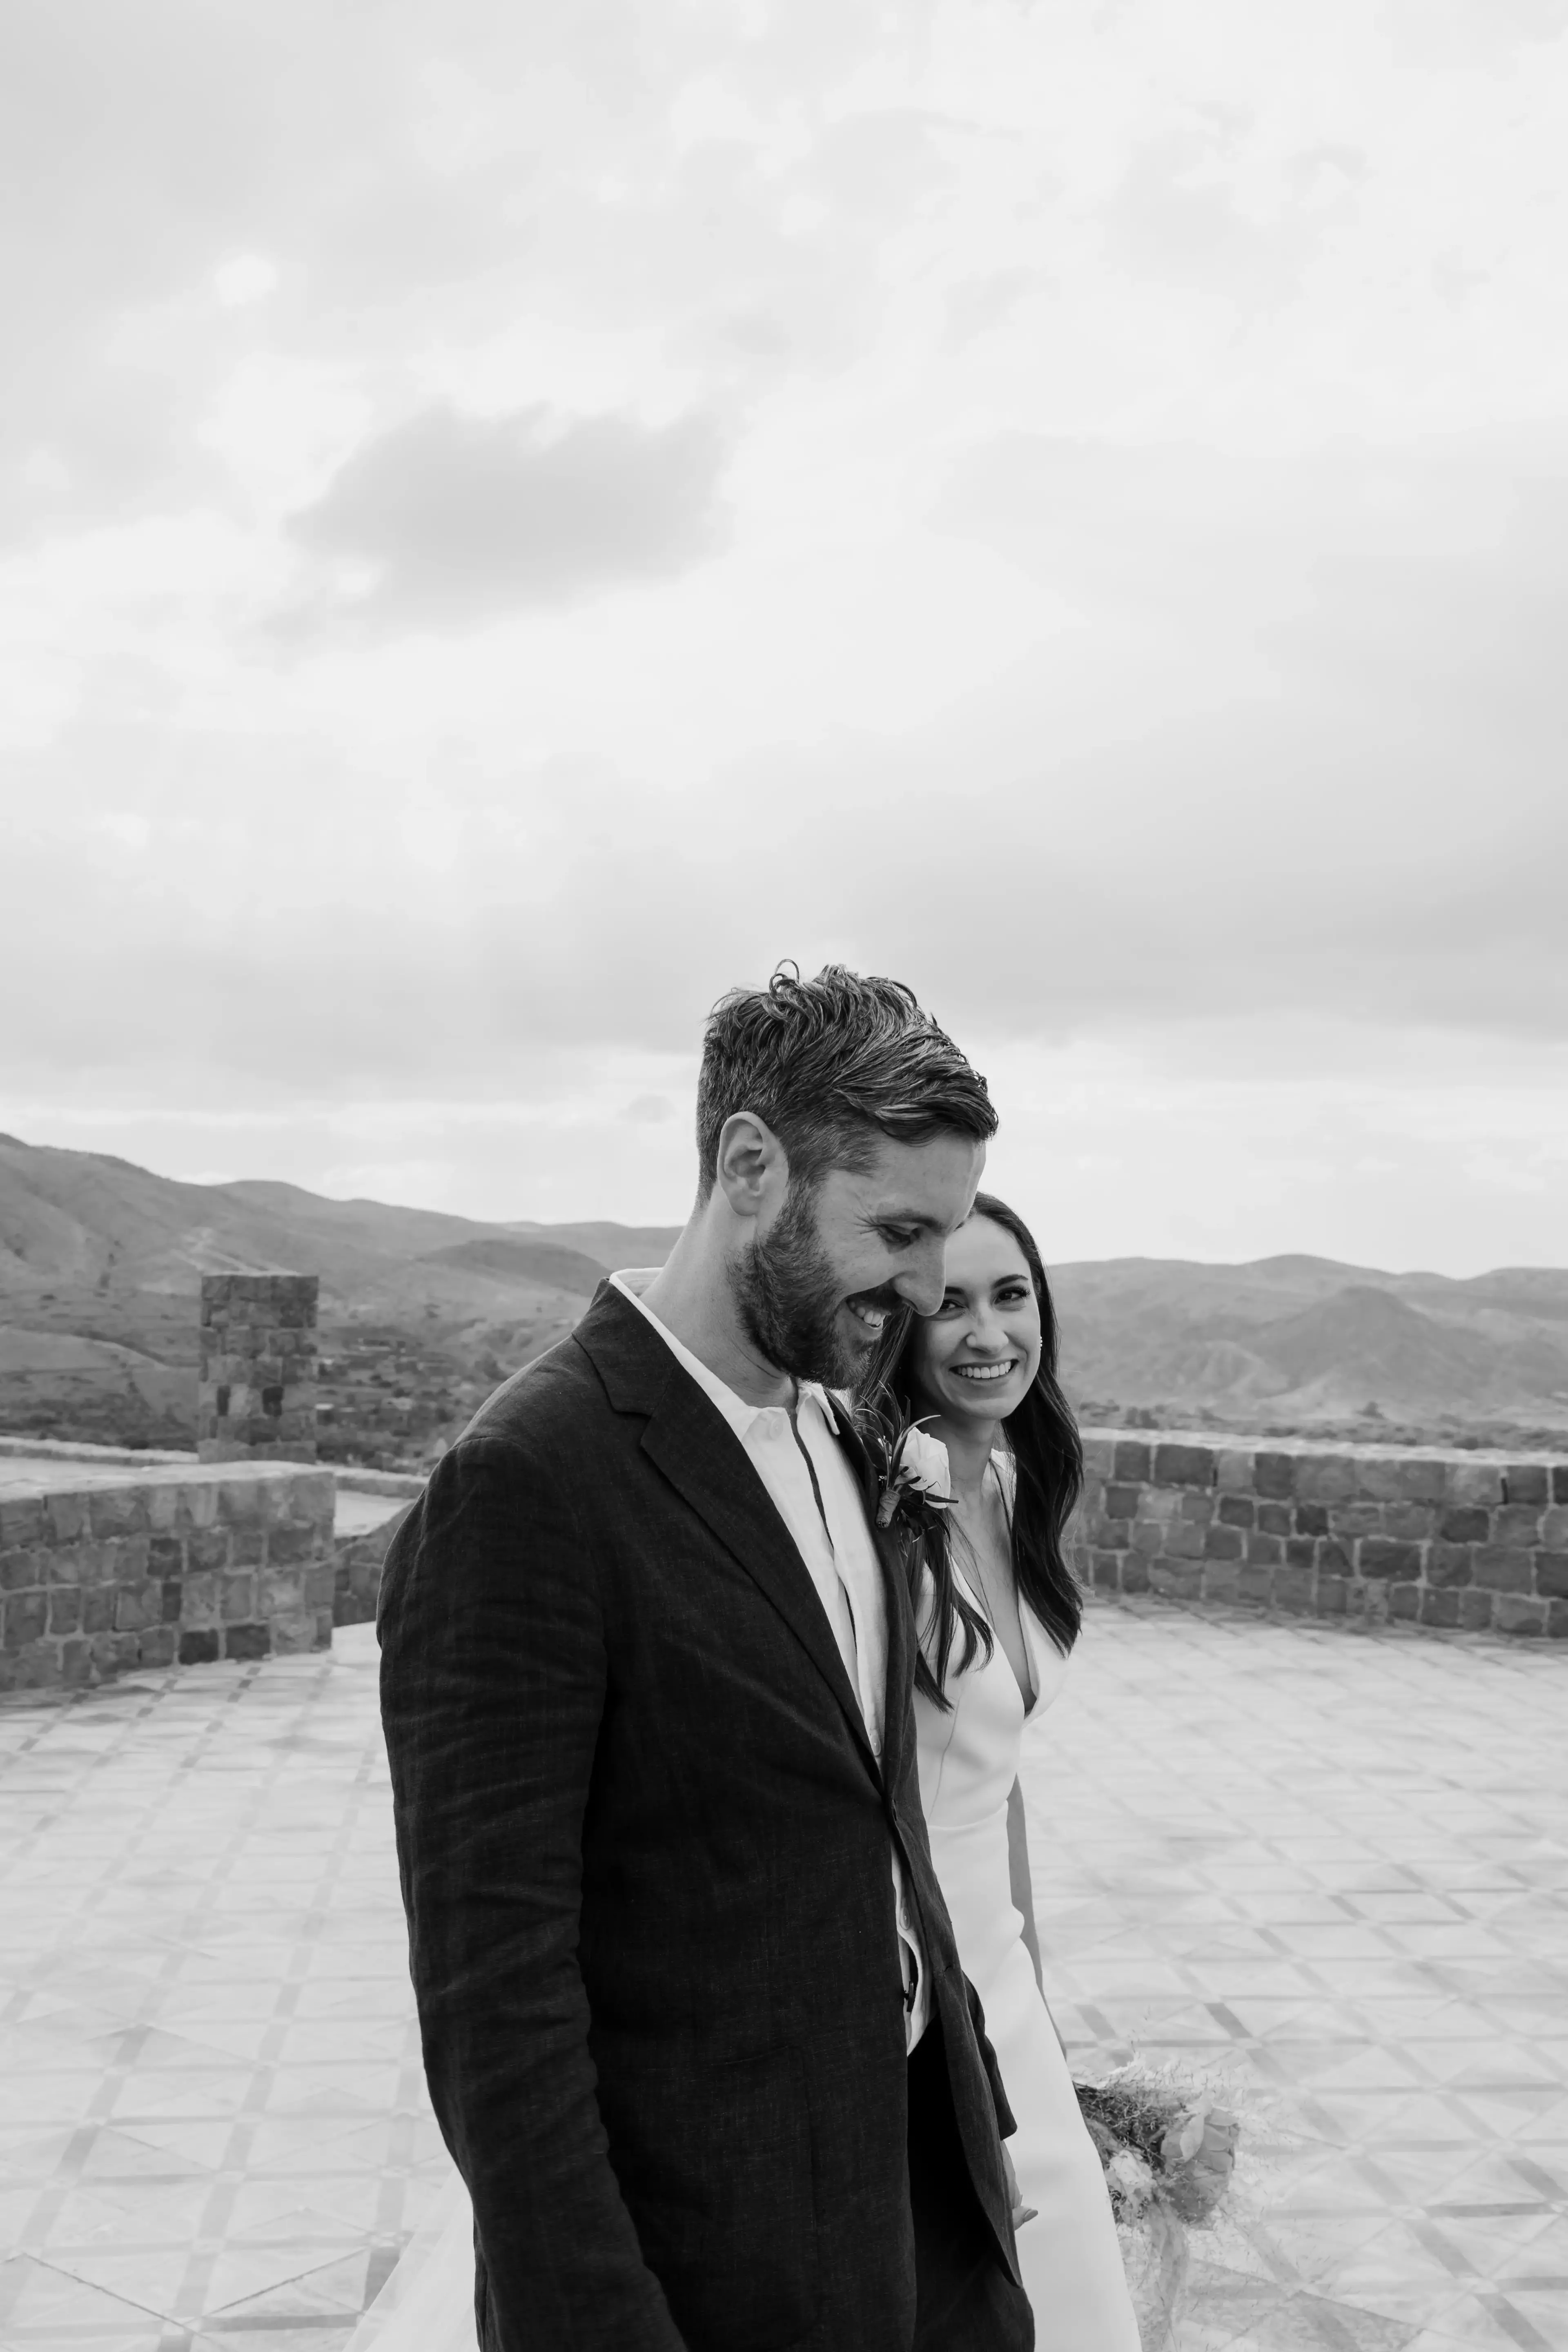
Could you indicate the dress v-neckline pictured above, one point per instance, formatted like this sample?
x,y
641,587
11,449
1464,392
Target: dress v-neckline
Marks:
x,y
1029,1695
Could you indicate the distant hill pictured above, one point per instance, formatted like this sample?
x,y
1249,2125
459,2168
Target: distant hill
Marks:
x,y
100,1262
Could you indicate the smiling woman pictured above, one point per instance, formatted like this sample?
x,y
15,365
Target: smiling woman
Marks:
x,y
998,1614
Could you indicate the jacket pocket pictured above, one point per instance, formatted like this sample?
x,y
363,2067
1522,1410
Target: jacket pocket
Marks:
x,y
738,2256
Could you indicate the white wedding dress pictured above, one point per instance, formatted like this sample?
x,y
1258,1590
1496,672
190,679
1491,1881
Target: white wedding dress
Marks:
x,y
1069,2255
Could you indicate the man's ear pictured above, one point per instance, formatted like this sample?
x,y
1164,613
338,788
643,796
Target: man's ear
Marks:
x,y
752,1167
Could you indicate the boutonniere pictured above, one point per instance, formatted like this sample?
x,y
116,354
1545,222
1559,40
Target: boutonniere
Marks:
x,y
912,1474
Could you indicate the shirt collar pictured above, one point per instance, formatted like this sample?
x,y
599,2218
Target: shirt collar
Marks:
x,y
631,1281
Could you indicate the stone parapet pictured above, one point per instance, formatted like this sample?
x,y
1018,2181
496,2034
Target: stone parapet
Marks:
x,y
1468,1541
257,1385
161,1568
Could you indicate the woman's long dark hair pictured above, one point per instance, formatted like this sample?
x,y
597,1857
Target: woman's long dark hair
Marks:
x,y
1042,1437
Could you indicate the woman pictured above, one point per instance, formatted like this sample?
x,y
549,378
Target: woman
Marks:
x,y
998,1614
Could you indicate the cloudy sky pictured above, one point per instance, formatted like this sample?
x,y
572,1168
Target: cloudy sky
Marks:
x,y
512,520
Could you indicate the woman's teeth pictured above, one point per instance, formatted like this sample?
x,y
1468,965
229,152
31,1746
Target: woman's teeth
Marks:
x,y
985,1371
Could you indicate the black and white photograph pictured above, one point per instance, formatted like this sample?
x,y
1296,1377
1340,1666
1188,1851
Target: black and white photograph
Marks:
x,y
784,1176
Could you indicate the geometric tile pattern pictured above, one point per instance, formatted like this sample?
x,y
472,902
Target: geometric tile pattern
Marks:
x,y
214,2130
1328,1867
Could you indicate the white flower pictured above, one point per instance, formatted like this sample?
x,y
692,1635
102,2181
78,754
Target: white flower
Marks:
x,y
923,1465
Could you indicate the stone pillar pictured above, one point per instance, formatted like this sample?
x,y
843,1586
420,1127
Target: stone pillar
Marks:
x,y
256,1399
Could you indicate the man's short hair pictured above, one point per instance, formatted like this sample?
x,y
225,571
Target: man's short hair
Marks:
x,y
831,1064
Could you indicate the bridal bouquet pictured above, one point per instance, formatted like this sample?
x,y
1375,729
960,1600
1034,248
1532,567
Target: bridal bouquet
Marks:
x,y
1169,2151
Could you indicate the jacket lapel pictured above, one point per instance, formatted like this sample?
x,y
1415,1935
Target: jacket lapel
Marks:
x,y
704,1461
896,1601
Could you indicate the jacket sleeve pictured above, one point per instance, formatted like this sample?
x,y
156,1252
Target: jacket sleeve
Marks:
x,y
1006,2122
492,1677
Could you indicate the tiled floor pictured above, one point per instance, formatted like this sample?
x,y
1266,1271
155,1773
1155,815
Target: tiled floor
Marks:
x,y
1330,1866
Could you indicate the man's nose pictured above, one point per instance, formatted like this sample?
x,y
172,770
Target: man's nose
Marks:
x,y
921,1282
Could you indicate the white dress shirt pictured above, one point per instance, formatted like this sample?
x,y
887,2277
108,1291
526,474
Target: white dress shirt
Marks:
x,y
825,1515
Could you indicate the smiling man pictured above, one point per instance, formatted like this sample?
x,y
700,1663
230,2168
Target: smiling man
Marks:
x,y
693,2020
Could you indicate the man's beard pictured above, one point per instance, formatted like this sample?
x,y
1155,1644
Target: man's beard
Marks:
x,y
788,1297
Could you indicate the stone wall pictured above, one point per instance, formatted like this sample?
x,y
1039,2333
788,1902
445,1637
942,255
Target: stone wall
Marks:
x,y
256,1389
101,1574
1476,1541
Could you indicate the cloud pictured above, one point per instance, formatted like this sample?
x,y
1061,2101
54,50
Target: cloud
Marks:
x,y
458,518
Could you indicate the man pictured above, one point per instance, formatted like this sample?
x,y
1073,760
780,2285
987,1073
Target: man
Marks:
x,y
693,2020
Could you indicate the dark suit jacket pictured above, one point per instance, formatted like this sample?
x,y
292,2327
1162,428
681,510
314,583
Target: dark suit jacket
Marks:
x,y
645,1854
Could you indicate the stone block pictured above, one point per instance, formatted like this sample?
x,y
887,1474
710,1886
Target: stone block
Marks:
x,y
1223,1543
1410,1522
1275,1519
98,1610
1274,1475
1439,1608
1237,1511
1331,1592
22,1569
1517,1523
23,1521
1466,1523
1184,1541
296,1632
1325,1478
237,1597
136,1606
1423,1482
320,1585
1353,1520
1148,1538
1311,1519
242,1502
26,1618
1476,1610
1404,1601
1554,1529
1184,1466
68,1516
173,1594
1560,1482
164,1510
1333,1560
1134,1573
1517,1613
1379,1556
1475,1482
1551,1574
1233,1471
118,1510
247,1641
198,1601
1503,1568
159,1645
280,1591
65,1608
1196,1508
65,1565
1450,1564
286,1546
1255,1583
1222,1579
198,1646
1098,1457
1529,1483
127,1559
1159,1505
198,1505
1176,1581
1131,1461
1121,1502
209,1549
76,1661
166,1555
1293,1591
1300,1553
1263,1551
